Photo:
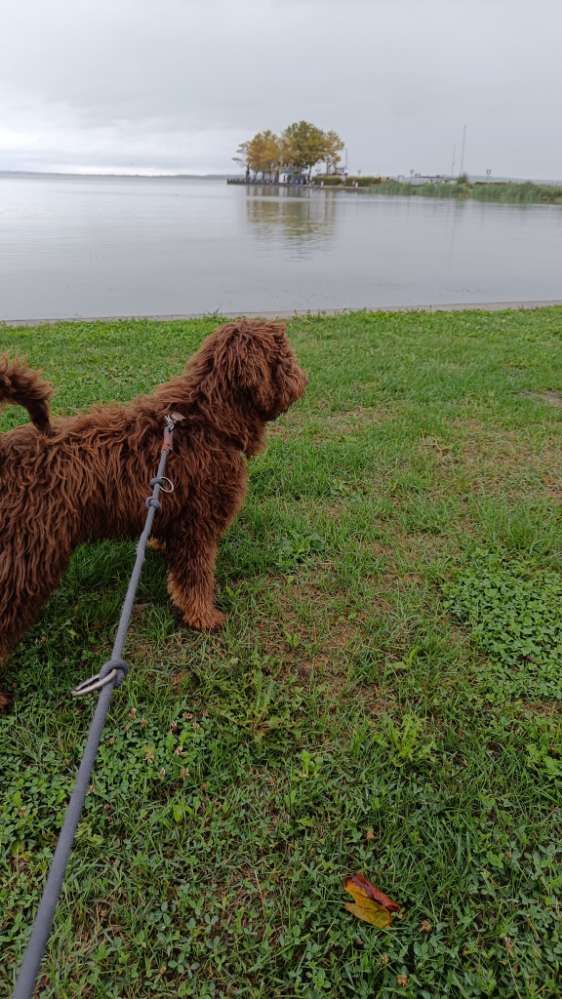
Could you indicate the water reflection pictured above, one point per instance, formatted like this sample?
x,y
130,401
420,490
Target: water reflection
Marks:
x,y
302,219
99,246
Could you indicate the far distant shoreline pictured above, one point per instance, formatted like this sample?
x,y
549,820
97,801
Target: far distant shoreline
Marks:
x,y
114,176
361,180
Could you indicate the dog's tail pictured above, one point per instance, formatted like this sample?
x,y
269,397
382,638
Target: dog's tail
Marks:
x,y
25,387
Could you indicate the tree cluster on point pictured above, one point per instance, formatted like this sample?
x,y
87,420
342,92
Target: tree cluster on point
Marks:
x,y
293,154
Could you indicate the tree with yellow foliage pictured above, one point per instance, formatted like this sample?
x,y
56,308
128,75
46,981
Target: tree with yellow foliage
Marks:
x,y
299,148
264,152
333,147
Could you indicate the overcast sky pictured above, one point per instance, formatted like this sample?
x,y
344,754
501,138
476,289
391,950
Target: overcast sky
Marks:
x,y
175,85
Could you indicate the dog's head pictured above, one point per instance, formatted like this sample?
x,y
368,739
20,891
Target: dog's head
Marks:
x,y
253,362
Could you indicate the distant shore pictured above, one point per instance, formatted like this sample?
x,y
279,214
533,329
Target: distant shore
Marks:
x,y
107,175
523,192
462,188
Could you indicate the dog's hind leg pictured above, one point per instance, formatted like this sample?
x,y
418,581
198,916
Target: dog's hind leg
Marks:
x,y
5,698
25,587
191,582
18,612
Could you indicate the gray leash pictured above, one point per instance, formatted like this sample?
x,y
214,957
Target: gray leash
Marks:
x,y
111,675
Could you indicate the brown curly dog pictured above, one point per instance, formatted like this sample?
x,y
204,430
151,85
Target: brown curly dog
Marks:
x,y
82,478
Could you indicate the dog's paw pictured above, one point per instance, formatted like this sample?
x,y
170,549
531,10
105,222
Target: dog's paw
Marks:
x,y
212,620
5,701
155,545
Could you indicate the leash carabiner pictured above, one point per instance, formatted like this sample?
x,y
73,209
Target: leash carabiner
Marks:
x,y
113,671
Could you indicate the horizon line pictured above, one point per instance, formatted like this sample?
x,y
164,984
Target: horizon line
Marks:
x,y
223,174
109,173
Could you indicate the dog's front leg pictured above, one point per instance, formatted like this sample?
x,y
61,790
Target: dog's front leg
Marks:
x,y
191,582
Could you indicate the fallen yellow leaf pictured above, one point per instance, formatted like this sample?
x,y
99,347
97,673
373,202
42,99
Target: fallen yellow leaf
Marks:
x,y
369,903
370,912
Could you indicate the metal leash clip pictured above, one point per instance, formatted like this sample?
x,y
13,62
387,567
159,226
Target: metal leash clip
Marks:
x,y
160,480
113,671
170,420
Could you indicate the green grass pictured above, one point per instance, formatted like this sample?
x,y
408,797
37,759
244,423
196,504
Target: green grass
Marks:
x,y
518,192
386,696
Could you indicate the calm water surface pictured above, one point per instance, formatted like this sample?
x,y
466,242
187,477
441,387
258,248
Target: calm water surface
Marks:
x,y
95,246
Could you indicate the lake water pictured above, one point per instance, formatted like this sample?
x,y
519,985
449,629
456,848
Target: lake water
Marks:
x,y
105,246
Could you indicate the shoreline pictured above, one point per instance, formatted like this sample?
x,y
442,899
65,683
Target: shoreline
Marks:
x,y
509,306
526,192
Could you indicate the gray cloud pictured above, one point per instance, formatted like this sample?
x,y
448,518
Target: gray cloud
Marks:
x,y
175,84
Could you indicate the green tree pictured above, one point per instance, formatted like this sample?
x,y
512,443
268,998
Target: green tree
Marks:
x,y
333,146
303,146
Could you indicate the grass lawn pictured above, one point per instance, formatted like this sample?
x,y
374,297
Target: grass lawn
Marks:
x,y
386,696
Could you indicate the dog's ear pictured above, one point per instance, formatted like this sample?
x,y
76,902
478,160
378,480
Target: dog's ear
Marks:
x,y
248,362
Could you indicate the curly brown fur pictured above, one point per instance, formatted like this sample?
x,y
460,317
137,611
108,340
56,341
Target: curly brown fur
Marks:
x,y
25,388
83,478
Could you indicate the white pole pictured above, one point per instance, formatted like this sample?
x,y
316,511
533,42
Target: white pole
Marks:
x,y
463,149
